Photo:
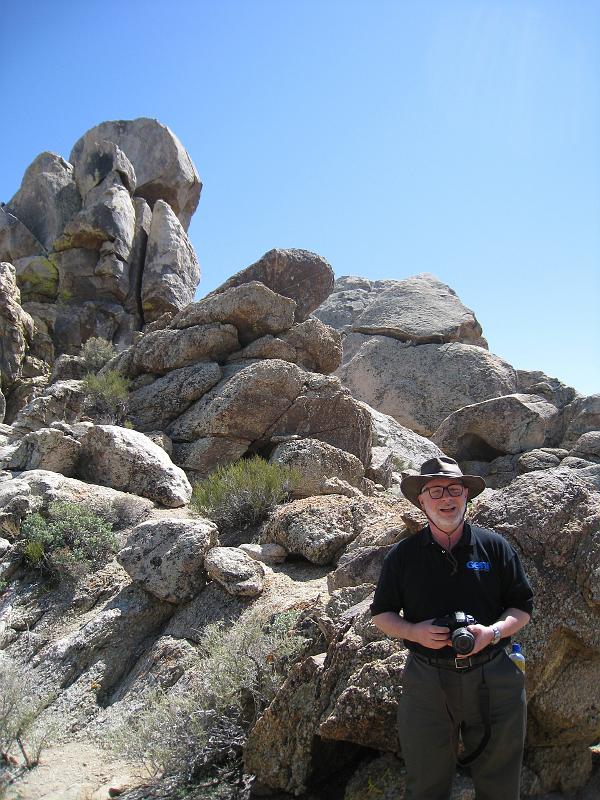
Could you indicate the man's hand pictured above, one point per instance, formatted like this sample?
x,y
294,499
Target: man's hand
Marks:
x,y
483,636
428,635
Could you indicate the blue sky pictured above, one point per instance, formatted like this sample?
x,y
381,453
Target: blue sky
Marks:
x,y
459,138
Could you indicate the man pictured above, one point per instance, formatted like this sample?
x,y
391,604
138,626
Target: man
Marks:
x,y
446,567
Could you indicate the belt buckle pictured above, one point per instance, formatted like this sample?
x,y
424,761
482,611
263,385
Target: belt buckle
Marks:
x,y
462,663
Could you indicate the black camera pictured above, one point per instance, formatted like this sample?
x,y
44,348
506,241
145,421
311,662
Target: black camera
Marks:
x,y
463,640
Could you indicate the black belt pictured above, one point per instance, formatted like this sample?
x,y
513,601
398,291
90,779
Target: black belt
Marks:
x,y
460,664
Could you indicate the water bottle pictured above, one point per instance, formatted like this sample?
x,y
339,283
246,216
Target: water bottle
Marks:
x,y
517,657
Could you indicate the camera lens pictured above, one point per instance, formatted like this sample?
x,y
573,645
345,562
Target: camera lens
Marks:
x,y
463,641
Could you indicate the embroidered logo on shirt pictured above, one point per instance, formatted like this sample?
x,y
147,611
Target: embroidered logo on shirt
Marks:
x,y
480,566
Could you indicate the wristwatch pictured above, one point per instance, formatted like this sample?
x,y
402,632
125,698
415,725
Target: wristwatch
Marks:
x,y
497,635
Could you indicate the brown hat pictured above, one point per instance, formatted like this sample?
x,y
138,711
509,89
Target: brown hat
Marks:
x,y
442,467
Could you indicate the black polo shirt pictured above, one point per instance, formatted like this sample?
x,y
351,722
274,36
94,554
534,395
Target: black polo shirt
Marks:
x,y
417,578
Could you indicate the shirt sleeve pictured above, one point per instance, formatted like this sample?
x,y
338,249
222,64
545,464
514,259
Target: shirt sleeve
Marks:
x,y
516,589
388,593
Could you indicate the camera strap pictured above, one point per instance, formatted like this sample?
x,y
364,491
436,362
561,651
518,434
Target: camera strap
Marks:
x,y
483,694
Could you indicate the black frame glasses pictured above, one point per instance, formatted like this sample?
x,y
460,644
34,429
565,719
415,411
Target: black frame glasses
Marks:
x,y
437,492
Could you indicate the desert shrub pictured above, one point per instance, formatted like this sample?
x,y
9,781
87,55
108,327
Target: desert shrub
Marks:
x,y
21,738
106,396
243,493
198,729
97,352
72,541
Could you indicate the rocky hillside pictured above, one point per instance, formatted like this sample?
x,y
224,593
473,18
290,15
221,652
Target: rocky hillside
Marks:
x,y
243,645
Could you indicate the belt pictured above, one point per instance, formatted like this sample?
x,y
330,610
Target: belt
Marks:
x,y
460,664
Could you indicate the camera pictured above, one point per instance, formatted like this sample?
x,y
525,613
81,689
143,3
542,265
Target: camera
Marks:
x,y
463,640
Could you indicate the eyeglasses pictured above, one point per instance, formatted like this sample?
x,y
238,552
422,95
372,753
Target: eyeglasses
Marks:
x,y
437,492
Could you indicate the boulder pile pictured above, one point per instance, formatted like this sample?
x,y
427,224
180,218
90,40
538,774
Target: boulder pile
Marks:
x,y
350,384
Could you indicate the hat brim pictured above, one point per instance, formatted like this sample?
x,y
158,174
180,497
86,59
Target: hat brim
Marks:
x,y
412,485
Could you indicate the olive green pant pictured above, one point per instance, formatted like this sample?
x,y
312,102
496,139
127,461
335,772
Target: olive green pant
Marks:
x,y
437,705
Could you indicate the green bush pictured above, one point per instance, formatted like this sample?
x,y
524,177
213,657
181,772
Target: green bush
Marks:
x,y
72,541
106,396
243,493
200,726
97,352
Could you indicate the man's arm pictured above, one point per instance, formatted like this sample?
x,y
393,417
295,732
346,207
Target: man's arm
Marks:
x,y
511,621
424,633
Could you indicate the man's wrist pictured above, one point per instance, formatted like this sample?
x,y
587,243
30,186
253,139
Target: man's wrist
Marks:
x,y
496,633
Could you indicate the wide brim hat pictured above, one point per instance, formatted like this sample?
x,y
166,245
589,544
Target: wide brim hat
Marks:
x,y
442,467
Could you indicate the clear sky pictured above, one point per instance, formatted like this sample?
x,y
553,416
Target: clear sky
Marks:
x,y
458,137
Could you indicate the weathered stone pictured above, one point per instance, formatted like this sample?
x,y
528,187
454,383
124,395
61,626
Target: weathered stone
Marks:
x,y
153,406
160,352
315,462
553,390
68,368
244,404
48,198
37,278
422,310
166,556
162,440
343,307
326,411
44,317
394,377
539,458
318,347
107,216
62,400
587,447
129,461
381,466
581,416
552,518
22,392
383,777
75,324
77,279
16,240
137,256
163,168
359,566
321,528
47,449
96,161
500,426
303,276
171,270
198,459
252,308
2,406
271,554
36,489
16,327
266,347
235,571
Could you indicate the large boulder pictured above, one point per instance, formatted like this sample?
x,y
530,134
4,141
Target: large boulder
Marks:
x,y
62,400
16,240
159,352
199,458
317,346
350,297
553,517
305,277
395,377
163,168
581,416
252,308
129,461
510,424
48,198
409,450
96,161
235,571
422,310
171,270
315,463
154,405
48,449
166,556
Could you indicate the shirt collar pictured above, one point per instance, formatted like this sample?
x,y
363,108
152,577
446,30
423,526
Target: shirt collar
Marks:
x,y
466,540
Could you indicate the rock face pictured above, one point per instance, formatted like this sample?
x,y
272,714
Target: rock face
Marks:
x,y
167,556
16,330
510,424
163,169
394,377
421,310
300,275
316,463
235,571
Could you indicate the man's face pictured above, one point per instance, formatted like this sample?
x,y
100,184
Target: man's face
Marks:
x,y
447,512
